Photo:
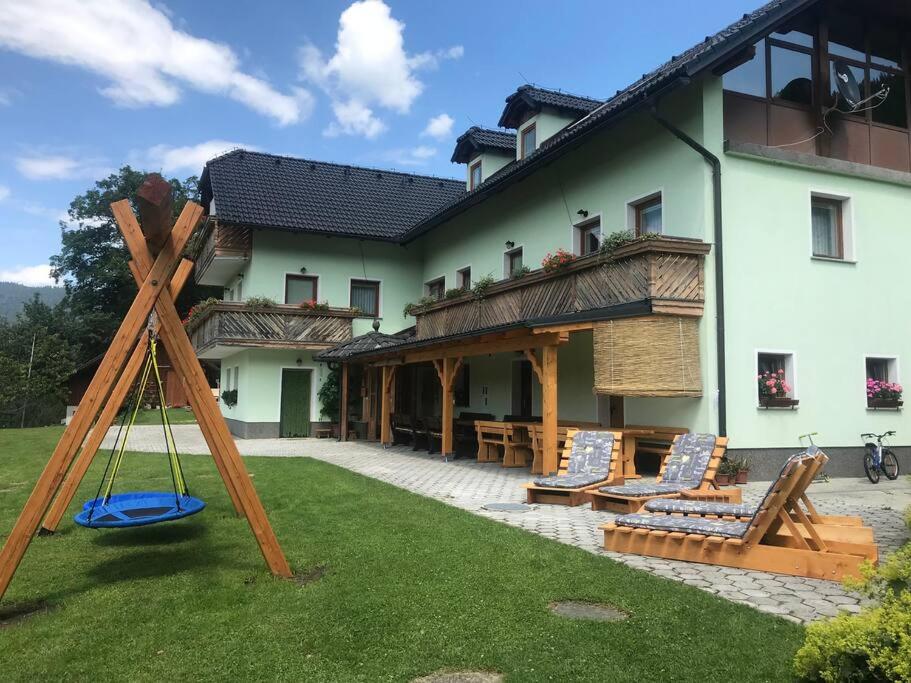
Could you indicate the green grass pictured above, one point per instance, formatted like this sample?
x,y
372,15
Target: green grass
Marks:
x,y
176,416
412,586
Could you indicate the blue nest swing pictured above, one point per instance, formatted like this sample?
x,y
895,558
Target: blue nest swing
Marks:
x,y
108,510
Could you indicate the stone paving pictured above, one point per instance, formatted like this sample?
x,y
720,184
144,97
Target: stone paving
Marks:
x,y
471,486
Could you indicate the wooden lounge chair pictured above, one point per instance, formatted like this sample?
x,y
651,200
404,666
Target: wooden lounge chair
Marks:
x,y
590,459
689,472
855,531
771,540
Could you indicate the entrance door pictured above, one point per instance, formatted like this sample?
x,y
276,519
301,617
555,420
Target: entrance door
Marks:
x,y
521,388
295,410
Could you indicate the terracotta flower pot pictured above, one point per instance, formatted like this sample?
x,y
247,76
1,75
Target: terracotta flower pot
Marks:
x,y
723,479
742,477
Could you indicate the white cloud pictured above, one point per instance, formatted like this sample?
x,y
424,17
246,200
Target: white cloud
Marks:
x,y
414,156
139,51
59,167
7,95
4,192
439,127
369,69
189,158
33,276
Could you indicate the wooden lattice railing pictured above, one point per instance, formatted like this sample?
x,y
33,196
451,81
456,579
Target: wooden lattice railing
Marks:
x,y
281,326
222,240
666,271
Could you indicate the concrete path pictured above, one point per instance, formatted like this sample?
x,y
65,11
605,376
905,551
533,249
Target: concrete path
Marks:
x,y
471,486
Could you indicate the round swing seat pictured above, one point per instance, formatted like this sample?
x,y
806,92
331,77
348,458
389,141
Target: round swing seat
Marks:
x,y
137,509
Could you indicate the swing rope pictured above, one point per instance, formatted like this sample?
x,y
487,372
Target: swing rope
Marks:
x,y
118,450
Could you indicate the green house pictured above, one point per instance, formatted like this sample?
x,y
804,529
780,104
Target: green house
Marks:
x,y
738,213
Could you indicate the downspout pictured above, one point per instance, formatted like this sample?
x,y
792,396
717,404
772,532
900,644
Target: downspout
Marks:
x,y
715,163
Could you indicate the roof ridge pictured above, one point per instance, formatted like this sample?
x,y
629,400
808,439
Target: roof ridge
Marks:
x,y
374,169
560,91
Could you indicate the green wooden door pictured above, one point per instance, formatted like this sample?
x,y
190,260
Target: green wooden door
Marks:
x,y
295,414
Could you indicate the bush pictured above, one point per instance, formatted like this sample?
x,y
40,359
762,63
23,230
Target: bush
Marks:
x,y
258,302
229,396
874,645
454,293
329,394
482,285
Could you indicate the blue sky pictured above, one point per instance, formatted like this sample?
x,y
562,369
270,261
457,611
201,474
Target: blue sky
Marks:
x,y
163,86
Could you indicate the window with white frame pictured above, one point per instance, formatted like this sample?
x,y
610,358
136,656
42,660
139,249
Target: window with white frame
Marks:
x,y
435,289
775,377
528,141
474,174
463,278
830,227
512,263
588,237
882,383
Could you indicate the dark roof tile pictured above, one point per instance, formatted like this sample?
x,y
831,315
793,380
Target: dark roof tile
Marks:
x,y
531,97
477,139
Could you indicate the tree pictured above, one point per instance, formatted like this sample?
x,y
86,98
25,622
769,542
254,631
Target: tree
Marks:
x,y
92,263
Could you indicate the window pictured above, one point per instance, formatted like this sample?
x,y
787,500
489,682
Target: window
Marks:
x,y
792,75
749,77
882,386
463,278
588,237
513,262
300,288
435,289
648,216
775,376
474,175
365,295
828,232
882,369
529,136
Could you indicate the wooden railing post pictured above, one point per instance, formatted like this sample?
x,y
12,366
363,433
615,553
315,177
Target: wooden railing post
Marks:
x,y
549,408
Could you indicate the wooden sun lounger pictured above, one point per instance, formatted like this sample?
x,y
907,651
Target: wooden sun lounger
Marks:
x,y
575,496
771,541
707,490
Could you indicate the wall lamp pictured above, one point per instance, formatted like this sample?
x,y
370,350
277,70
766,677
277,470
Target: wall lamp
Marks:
x,y
303,269
510,244
583,213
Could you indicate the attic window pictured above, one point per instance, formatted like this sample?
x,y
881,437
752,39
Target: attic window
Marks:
x,y
529,137
474,175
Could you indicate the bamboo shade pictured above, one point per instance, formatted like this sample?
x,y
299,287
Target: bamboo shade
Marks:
x,y
648,356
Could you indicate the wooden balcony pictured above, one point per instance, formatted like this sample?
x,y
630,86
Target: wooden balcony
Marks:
x,y
223,253
667,272
225,327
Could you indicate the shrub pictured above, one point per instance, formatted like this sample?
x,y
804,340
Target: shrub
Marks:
x,y
454,293
481,286
615,240
520,273
229,396
257,302
199,309
874,645
411,307
329,395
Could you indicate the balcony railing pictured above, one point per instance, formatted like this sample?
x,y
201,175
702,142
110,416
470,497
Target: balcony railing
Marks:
x,y
223,253
235,324
666,271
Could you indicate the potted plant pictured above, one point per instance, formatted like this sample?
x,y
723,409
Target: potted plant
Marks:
x,y
743,471
727,470
559,259
229,396
774,390
883,394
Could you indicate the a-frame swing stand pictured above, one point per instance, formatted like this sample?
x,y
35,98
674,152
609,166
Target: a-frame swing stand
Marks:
x,y
160,273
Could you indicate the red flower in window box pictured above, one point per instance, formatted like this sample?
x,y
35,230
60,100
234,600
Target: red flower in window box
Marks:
x,y
559,259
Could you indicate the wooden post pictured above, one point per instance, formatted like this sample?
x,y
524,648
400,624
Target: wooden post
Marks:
x,y
549,411
224,451
370,403
447,372
154,284
155,205
386,399
343,409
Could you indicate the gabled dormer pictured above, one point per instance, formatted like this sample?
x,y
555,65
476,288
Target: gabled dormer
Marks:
x,y
538,114
485,152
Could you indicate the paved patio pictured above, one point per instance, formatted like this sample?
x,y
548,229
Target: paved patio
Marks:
x,y
471,486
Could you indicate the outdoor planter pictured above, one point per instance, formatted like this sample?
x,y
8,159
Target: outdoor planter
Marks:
x,y
723,479
884,403
776,402
742,476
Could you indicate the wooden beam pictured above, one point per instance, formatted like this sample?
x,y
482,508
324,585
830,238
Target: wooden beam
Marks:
x,y
565,328
115,359
224,450
549,409
535,364
155,206
108,414
484,347
386,405
343,409
449,368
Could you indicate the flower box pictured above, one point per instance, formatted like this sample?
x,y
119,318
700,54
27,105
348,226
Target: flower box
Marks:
x,y
777,402
884,403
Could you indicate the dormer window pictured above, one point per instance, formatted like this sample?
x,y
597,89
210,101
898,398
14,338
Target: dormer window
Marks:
x,y
474,175
529,137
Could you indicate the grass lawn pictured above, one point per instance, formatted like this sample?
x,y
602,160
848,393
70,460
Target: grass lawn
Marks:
x,y
411,586
177,416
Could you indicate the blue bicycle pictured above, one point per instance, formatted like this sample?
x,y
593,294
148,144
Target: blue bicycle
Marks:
x,y
879,458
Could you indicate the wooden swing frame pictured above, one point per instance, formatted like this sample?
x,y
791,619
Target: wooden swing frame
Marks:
x,y
160,273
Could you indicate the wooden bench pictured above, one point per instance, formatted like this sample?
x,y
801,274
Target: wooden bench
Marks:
x,y
323,433
402,428
517,447
491,439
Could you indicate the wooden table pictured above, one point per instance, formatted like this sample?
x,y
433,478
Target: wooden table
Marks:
x,y
633,434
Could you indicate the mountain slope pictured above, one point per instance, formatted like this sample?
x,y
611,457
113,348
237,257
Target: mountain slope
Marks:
x,y
13,295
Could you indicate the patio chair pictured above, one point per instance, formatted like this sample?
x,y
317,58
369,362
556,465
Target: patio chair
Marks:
x,y
855,531
688,472
590,459
433,432
770,540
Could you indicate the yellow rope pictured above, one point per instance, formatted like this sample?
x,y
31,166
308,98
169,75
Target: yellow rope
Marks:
x,y
169,436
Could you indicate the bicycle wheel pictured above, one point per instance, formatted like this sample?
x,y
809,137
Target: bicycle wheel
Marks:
x,y
890,465
870,468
